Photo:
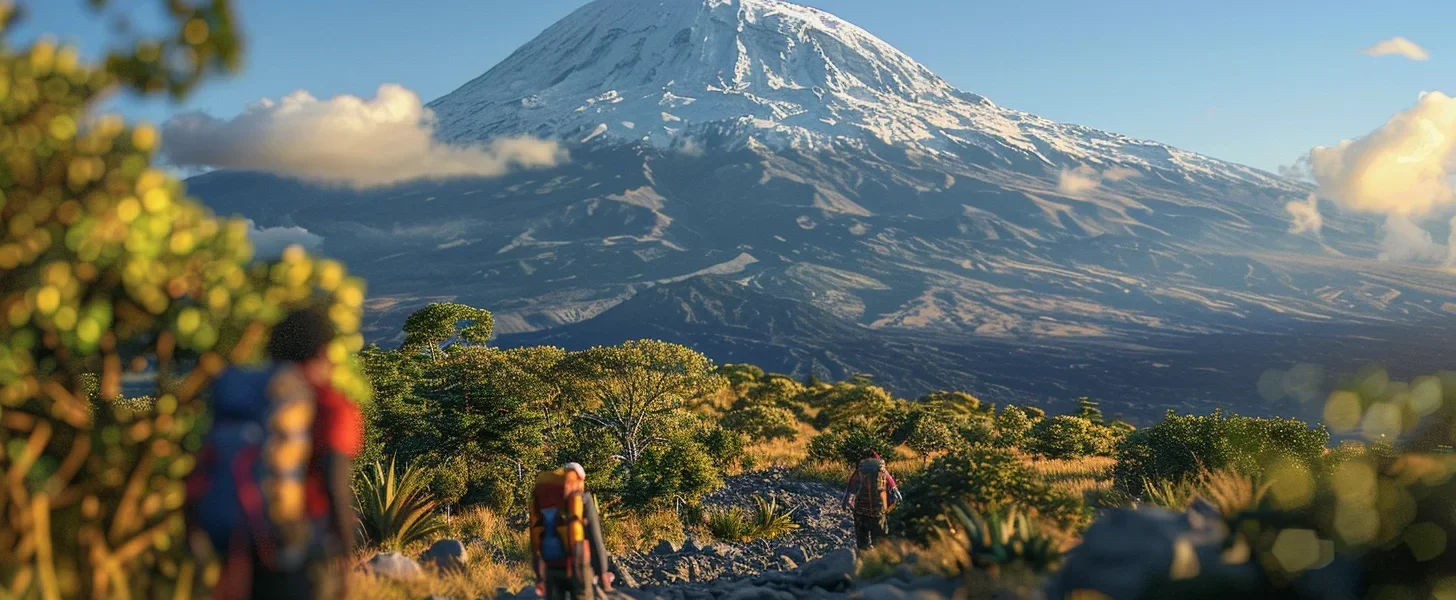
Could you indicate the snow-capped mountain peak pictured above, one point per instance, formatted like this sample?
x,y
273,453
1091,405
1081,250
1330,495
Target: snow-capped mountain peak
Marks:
x,y
780,74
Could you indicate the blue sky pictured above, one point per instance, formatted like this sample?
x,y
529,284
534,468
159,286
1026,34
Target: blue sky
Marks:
x,y
1251,81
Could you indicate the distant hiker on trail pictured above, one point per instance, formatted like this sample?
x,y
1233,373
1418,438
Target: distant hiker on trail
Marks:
x,y
566,537
870,494
271,491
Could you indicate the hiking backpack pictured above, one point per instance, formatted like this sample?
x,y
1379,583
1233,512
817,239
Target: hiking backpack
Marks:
x,y
558,524
871,497
247,491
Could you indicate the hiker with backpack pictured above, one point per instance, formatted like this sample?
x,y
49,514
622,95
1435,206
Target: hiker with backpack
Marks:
x,y
870,494
271,493
569,555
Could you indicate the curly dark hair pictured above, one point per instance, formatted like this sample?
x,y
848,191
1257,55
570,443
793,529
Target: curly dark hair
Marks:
x,y
301,335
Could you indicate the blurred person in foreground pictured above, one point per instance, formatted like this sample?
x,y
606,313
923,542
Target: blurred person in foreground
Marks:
x,y
271,492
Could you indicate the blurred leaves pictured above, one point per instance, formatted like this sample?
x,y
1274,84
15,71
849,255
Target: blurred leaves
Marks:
x,y
106,266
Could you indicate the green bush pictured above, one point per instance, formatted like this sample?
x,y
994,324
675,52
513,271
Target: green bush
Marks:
x,y
1068,436
928,435
760,422
1182,446
1012,427
987,479
851,444
976,431
447,484
667,475
725,447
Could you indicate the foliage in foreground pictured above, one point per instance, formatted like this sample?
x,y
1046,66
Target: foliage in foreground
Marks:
x,y
106,265
1003,538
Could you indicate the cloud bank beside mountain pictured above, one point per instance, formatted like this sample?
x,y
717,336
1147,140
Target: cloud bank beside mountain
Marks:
x,y
358,142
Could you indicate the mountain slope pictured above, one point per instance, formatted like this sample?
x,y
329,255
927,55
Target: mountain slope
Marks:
x,y
825,204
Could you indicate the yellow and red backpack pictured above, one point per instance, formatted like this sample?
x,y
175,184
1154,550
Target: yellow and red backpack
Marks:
x,y
558,524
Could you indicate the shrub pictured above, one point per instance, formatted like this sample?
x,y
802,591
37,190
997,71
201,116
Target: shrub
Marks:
x,y
760,422
1005,537
852,444
987,478
730,524
769,521
725,447
930,435
847,402
977,431
447,484
667,475
1182,446
395,508
1068,436
1012,427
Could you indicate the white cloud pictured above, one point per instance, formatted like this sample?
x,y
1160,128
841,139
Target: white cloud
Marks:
x,y
1402,170
1398,46
1077,182
269,242
355,141
1407,241
1404,167
1119,173
1305,216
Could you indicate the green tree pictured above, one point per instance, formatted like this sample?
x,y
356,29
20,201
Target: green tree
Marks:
x,y
632,391
947,403
1012,427
1087,409
443,323
105,263
844,402
1067,436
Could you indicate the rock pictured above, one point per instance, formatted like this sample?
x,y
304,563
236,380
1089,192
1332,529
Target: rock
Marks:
x,y
664,547
624,576
833,572
690,546
1127,549
721,549
787,564
393,565
794,553
446,555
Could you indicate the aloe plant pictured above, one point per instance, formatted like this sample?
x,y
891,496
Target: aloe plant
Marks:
x,y
1004,538
395,507
769,521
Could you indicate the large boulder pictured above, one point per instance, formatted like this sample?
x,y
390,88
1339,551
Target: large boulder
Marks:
x,y
393,565
1130,551
446,555
664,547
833,571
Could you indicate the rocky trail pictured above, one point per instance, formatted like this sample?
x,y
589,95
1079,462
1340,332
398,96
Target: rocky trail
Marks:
x,y
817,560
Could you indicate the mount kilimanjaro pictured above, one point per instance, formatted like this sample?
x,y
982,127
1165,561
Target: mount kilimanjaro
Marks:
x,y
771,184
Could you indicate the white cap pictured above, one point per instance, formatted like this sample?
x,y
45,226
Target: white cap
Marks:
x,y
571,466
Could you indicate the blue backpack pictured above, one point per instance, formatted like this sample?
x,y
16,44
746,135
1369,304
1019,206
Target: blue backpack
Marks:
x,y
240,498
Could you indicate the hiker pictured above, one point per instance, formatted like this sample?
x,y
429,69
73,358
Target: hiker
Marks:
x,y
271,493
870,494
566,537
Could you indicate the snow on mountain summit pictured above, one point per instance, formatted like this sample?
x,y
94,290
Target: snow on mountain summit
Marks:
x,y
782,74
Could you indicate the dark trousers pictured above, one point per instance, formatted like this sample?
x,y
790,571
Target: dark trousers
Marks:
x,y
869,530
561,586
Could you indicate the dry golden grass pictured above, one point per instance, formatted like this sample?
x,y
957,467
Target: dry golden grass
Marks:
x,y
782,453
480,578
1095,467
1230,491
627,531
